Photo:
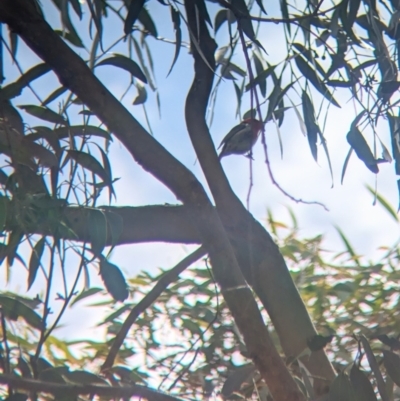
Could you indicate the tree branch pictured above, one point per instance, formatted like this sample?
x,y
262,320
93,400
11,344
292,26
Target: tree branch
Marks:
x,y
85,389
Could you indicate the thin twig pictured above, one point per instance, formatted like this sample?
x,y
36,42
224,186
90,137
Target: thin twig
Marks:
x,y
154,293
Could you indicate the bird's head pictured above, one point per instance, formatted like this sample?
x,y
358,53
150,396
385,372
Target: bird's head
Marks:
x,y
256,125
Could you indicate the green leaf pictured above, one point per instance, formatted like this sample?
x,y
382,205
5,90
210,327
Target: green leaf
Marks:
x,y
13,309
341,389
14,89
44,114
362,386
392,365
311,124
142,95
259,70
126,64
71,37
311,75
34,262
220,18
308,54
113,280
54,95
260,78
348,246
85,294
176,19
146,20
360,146
285,13
88,162
384,203
135,6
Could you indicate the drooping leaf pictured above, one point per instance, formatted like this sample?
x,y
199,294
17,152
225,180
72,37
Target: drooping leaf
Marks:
x,y
285,13
360,146
126,64
311,75
13,43
34,262
135,6
260,78
308,55
76,5
88,162
14,89
44,114
72,38
375,368
97,229
220,18
148,23
176,20
237,380
113,280
142,95
392,365
14,309
85,294
394,126
341,389
362,386
54,95
383,202
259,70
312,127
201,8
261,5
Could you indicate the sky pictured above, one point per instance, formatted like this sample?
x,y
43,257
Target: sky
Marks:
x,y
350,205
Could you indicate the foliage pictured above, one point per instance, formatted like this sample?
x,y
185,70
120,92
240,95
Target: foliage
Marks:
x,y
346,48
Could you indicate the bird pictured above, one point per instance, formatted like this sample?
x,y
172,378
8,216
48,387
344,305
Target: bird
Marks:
x,y
241,138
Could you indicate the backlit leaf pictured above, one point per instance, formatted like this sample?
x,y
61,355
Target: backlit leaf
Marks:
x,y
113,280
126,64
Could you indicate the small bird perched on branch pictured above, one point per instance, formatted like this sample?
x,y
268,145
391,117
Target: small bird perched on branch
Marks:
x,y
241,138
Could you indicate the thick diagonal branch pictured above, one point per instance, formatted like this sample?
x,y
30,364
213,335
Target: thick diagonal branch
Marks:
x,y
259,257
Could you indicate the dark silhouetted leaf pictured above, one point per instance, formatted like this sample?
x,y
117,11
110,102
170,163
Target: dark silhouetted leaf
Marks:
x,y
89,162
34,262
135,6
391,342
202,10
392,365
85,294
312,127
14,89
362,387
113,280
375,369
3,210
319,342
237,380
44,114
126,64
285,13
13,309
341,389
148,23
260,78
360,146
24,368
311,75
97,230
72,38
54,95
260,4
308,55
176,20
259,70
220,18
